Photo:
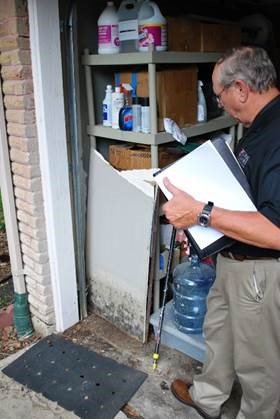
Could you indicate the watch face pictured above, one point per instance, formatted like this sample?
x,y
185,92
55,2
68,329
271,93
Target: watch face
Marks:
x,y
204,217
203,220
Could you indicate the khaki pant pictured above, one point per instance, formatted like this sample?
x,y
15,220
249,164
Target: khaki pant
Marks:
x,y
242,334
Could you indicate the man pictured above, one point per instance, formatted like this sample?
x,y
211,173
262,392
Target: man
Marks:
x,y
242,324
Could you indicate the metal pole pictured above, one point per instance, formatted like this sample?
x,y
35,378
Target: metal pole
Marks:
x,y
153,111
76,157
161,316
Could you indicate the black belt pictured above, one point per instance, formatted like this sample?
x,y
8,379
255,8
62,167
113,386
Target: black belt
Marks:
x,y
240,258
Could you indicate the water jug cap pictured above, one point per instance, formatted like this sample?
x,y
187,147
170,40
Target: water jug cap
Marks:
x,y
110,3
195,261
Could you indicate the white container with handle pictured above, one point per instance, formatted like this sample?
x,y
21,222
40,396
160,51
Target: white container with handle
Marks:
x,y
152,28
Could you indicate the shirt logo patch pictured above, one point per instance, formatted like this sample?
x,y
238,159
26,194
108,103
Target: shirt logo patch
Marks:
x,y
243,158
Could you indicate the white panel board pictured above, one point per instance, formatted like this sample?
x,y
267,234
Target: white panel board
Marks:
x,y
118,245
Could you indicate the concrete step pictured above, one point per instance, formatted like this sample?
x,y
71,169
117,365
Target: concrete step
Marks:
x,y
191,344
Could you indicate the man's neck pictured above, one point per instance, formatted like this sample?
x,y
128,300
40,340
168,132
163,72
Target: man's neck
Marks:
x,y
259,101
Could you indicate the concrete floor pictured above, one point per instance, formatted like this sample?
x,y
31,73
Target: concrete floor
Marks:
x,y
153,400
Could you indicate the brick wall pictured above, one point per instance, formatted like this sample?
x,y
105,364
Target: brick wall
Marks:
x,y
17,86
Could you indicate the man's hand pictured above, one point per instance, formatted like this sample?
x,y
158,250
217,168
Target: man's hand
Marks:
x,y
182,209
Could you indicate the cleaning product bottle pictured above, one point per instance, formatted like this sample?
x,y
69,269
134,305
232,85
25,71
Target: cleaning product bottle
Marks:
x,y
107,107
128,25
125,114
145,115
201,103
152,27
108,30
136,114
117,104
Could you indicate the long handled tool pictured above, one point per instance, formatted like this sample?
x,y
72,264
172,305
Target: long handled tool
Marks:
x,y
161,316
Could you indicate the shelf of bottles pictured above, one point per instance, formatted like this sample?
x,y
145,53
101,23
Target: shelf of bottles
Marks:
x,y
150,59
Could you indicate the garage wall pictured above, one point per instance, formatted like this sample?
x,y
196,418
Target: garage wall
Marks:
x,y
17,85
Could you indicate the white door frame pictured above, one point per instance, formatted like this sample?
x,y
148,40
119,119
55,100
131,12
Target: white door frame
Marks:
x,y
49,105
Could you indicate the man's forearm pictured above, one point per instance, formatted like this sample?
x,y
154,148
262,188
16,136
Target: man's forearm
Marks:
x,y
249,227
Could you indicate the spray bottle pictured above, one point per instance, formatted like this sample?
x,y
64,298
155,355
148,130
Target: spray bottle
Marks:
x,y
125,114
201,103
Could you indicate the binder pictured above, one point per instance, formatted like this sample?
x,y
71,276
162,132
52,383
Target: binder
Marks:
x,y
211,172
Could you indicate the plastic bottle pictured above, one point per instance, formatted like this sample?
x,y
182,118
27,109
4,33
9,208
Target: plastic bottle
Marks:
x,y
117,104
152,27
136,114
128,25
145,115
107,107
125,114
108,30
201,103
191,283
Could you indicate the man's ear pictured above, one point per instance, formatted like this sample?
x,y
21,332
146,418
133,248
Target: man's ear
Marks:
x,y
242,90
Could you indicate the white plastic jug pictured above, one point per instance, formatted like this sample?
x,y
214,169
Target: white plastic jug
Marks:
x,y
108,30
128,24
152,27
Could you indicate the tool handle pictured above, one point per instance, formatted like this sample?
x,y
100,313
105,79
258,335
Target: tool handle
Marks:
x,y
161,316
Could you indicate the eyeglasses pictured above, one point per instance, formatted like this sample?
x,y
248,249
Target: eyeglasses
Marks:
x,y
218,96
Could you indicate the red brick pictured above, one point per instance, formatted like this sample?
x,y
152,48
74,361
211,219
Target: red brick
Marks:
x,y
15,57
15,25
11,42
10,8
17,87
16,72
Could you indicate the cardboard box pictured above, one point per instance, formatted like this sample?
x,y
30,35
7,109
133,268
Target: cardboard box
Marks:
x,y
176,92
191,35
218,37
183,34
127,157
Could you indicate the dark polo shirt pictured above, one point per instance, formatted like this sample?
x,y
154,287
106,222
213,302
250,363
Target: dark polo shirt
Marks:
x,y
258,153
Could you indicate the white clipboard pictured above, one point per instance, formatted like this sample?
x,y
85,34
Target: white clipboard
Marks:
x,y
211,172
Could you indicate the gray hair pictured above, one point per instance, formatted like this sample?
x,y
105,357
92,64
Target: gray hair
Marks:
x,y
250,64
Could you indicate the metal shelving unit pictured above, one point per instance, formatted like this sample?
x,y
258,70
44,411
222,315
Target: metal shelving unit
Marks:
x,y
216,124
150,59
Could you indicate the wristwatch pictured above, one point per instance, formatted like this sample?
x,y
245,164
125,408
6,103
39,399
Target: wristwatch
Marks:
x,y
204,217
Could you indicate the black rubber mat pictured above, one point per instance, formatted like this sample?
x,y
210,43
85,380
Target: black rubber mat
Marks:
x,y
78,379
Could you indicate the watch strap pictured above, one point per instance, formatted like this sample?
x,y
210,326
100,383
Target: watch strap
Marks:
x,y
208,208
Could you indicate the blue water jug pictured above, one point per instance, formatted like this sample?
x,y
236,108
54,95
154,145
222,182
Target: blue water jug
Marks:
x,y
191,283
